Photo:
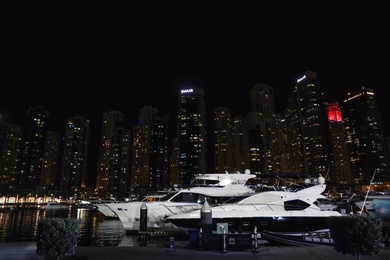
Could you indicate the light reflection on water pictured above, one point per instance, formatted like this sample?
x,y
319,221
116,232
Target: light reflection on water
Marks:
x,y
20,225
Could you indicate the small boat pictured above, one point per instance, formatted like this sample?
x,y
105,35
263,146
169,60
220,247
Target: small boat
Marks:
x,y
382,207
84,205
7,207
326,204
366,207
90,203
55,205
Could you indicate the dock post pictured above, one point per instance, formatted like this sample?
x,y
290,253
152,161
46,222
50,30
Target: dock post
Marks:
x,y
171,243
206,224
224,242
255,240
143,227
200,239
206,218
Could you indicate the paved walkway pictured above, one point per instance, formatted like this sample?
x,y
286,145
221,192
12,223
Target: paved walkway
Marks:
x,y
26,251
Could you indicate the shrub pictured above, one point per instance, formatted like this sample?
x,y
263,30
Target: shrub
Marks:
x,y
57,237
355,234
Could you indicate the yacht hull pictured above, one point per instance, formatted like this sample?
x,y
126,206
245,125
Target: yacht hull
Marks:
x,y
286,224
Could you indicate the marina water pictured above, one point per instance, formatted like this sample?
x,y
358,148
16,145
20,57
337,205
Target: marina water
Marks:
x,y
21,225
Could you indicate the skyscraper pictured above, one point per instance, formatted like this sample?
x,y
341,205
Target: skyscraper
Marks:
x,y
50,166
119,167
150,153
110,121
366,139
140,158
33,144
239,144
223,149
308,129
191,134
262,130
262,99
74,157
341,173
10,142
159,152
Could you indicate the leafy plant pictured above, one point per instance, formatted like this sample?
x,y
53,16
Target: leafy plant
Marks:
x,y
57,237
356,235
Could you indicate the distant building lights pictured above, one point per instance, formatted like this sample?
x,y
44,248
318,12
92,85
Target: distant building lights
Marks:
x,y
334,113
190,90
301,78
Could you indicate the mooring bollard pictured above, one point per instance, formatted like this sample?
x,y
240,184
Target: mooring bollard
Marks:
x,y
200,239
171,243
143,224
255,237
224,236
206,218
143,241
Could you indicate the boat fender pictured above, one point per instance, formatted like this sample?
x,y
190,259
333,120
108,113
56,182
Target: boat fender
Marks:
x,y
321,180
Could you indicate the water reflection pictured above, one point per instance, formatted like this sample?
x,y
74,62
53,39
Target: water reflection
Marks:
x,y
20,225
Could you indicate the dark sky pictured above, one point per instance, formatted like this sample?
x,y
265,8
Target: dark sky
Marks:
x,y
99,56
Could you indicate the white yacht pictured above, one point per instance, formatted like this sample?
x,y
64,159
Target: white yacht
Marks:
x,y
185,200
276,211
107,212
222,179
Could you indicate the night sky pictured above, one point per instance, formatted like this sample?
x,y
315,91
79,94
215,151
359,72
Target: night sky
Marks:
x,y
98,56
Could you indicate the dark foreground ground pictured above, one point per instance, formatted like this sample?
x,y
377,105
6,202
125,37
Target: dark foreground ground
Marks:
x,y
27,251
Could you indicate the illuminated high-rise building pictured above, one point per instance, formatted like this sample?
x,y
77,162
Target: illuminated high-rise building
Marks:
x,y
50,166
140,166
74,157
341,173
150,153
159,152
10,143
110,120
366,138
262,99
33,144
279,145
307,127
223,140
334,113
239,144
3,134
119,163
262,131
174,176
191,134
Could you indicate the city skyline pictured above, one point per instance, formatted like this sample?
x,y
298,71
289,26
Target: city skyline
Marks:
x,y
98,57
57,116
267,139
94,143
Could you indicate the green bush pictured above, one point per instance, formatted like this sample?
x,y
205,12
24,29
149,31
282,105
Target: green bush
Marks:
x,y
57,237
356,235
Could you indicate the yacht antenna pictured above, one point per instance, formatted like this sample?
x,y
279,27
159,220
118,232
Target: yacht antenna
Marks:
x,y
326,176
368,190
